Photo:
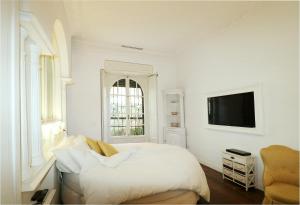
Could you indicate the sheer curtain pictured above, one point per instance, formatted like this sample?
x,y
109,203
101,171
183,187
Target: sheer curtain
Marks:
x,y
153,120
47,87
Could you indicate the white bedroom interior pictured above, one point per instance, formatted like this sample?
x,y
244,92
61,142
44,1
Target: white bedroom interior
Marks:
x,y
195,50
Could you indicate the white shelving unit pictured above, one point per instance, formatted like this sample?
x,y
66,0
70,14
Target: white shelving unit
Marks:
x,y
239,169
174,132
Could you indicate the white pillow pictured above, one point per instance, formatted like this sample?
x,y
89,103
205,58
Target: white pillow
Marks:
x,y
71,155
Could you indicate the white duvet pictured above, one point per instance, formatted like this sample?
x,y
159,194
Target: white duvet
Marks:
x,y
140,170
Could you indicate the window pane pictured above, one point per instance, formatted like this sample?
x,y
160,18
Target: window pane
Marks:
x,y
121,131
120,113
122,83
132,84
139,92
136,122
137,130
122,91
132,122
140,122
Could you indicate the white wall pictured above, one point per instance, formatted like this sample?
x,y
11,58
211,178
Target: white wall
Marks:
x,y
260,47
10,177
83,97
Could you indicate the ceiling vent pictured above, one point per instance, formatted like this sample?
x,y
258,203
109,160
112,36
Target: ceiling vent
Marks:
x,y
132,47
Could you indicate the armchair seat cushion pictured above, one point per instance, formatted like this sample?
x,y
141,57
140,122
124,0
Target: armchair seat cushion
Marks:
x,y
284,193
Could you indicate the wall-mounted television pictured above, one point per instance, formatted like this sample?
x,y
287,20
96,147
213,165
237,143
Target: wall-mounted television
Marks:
x,y
232,110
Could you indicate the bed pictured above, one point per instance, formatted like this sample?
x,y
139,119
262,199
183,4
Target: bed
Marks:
x,y
143,173
72,194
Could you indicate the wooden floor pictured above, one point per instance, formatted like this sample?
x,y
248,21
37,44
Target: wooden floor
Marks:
x,y
226,192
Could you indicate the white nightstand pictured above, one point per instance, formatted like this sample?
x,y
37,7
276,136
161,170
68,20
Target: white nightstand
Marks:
x,y
239,169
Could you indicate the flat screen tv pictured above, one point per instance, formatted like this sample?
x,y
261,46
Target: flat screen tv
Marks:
x,y
232,110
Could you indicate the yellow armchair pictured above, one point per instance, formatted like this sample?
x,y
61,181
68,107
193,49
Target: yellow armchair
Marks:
x,y
281,174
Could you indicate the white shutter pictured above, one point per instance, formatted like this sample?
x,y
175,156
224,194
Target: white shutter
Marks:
x,y
153,120
104,106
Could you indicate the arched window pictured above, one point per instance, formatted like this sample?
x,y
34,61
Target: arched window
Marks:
x,y
126,108
41,97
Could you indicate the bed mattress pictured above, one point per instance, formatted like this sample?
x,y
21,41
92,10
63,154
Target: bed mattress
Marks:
x,y
70,191
72,194
72,182
168,197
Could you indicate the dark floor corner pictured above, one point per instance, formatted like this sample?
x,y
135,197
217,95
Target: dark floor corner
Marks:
x,y
226,192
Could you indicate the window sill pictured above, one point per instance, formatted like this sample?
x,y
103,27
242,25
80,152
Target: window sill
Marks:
x,y
32,183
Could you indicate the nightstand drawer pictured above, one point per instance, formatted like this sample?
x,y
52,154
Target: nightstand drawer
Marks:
x,y
239,177
228,156
241,160
227,162
239,167
228,172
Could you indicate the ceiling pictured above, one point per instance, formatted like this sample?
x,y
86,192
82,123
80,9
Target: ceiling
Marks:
x,y
163,27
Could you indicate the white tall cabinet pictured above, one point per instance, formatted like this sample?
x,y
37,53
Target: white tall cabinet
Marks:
x,y
174,132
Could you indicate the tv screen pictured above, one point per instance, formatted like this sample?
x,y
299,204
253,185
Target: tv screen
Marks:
x,y
232,110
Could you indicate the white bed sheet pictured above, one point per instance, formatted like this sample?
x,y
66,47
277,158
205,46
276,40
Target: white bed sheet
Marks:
x,y
151,169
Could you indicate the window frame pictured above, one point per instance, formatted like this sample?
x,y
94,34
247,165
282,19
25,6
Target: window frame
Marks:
x,y
148,80
128,113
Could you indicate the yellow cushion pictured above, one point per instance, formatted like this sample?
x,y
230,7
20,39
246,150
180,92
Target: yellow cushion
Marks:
x,y
93,145
107,149
284,193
